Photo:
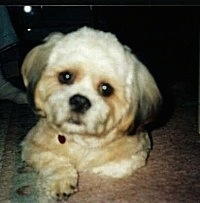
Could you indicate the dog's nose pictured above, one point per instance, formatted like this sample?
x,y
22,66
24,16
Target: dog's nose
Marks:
x,y
79,103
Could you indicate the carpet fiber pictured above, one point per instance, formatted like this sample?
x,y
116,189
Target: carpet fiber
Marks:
x,y
171,175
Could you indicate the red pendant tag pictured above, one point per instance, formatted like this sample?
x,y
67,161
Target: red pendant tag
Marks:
x,y
61,139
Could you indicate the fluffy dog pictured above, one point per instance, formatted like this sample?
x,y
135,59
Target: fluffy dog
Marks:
x,y
90,92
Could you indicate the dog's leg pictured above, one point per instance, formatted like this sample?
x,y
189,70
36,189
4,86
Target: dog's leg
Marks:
x,y
124,156
57,177
58,180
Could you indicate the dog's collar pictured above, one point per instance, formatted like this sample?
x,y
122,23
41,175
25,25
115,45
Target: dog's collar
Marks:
x,y
61,139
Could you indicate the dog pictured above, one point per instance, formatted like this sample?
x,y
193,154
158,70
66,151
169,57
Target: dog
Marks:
x,y
90,93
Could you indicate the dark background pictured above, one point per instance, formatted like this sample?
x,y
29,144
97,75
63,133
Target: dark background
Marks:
x,y
164,38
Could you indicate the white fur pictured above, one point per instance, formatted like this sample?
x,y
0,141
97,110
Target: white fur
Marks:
x,y
99,141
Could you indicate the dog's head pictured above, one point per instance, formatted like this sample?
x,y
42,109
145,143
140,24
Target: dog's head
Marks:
x,y
88,83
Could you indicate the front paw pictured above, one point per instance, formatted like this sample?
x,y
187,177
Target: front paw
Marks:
x,y
59,184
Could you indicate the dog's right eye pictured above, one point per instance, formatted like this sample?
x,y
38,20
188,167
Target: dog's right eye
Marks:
x,y
66,78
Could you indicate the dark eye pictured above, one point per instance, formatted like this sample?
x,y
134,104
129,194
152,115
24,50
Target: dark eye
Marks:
x,y
106,89
66,78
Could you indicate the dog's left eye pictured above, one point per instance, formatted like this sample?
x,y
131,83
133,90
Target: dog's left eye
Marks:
x,y
66,77
106,89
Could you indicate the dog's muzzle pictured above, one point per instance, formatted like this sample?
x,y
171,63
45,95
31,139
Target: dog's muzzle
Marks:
x,y
79,103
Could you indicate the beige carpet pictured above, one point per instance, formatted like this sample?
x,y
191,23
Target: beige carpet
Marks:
x,y
171,175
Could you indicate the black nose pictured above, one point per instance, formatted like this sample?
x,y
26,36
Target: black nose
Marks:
x,y
79,103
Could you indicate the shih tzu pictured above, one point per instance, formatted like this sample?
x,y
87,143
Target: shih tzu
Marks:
x,y
90,92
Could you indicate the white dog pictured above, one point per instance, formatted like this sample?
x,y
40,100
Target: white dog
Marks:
x,y
90,91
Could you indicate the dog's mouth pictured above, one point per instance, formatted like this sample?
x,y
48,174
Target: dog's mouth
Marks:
x,y
75,119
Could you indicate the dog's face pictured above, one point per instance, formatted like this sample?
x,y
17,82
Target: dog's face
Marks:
x,y
87,83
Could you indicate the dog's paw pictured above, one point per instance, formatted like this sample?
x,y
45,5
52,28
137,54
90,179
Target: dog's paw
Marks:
x,y
59,184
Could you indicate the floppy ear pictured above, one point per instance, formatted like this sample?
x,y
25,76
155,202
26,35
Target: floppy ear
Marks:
x,y
33,66
149,98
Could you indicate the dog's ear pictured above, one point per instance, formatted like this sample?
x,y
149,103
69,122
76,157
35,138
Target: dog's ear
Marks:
x,y
144,97
149,97
33,66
